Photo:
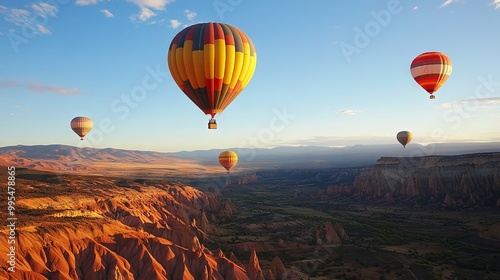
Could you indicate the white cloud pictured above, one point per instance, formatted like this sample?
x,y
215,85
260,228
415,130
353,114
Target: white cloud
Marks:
x,y
45,9
148,8
483,102
28,19
190,15
153,4
496,3
415,8
18,17
43,30
35,87
157,21
145,14
347,112
174,23
107,13
86,2
447,2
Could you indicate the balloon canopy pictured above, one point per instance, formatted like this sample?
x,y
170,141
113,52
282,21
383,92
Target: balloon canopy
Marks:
x,y
211,63
82,126
228,159
404,137
431,70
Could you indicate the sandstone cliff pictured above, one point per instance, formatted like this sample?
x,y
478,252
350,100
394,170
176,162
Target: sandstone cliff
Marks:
x,y
465,180
89,227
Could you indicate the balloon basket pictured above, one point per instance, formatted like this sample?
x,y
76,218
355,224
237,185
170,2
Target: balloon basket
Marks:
x,y
212,124
432,97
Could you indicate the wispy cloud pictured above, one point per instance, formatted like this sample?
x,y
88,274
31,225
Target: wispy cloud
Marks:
x,y
149,9
143,15
35,87
190,15
43,30
154,4
349,112
484,102
496,4
415,8
447,2
174,23
86,2
44,9
107,13
27,18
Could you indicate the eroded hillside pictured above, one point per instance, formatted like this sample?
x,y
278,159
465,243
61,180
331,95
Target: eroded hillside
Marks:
x,y
84,227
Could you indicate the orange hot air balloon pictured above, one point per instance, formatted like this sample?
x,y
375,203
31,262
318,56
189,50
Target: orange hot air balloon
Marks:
x,y
228,159
211,63
82,126
431,70
404,137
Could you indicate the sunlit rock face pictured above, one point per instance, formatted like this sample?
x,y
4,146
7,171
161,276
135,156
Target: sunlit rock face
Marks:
x,y
107,228
465,180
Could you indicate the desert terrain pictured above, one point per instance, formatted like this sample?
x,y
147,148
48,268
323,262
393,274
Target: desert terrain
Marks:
x,y
436,218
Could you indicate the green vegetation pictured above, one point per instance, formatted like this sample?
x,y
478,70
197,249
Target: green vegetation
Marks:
x,y
390,241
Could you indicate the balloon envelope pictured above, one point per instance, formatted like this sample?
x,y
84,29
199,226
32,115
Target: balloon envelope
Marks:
x,y
431,70
211,63
404,137
82,126
228,159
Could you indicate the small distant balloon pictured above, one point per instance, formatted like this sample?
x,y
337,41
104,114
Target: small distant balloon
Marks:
x,y
404,137
431,70
82,126
228,159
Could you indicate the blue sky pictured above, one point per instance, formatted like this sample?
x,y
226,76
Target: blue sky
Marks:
x,y
331,73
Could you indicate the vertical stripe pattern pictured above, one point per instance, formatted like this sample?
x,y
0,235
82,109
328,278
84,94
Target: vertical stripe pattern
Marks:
x,y
211,63
431,70
404,137
82,126
228,159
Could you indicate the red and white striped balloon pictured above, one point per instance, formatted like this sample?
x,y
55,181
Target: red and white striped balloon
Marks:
x,y
82,126
431,70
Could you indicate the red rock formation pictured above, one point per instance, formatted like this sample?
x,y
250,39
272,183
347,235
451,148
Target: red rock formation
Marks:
x,y
247,179
101,228
278,269
268,275
339,229
254,270
234,259
465,180
331,235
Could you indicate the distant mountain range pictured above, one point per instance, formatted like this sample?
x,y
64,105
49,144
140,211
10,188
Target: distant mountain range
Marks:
x,y
350,156
69,158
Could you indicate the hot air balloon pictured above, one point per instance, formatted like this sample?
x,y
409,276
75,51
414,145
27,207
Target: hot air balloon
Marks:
x,y
211,63
82,126
228,159
431,70
404,137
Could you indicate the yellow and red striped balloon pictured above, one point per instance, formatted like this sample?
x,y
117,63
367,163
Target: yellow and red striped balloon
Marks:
x,y
431,70
82,126
228,159
212,63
